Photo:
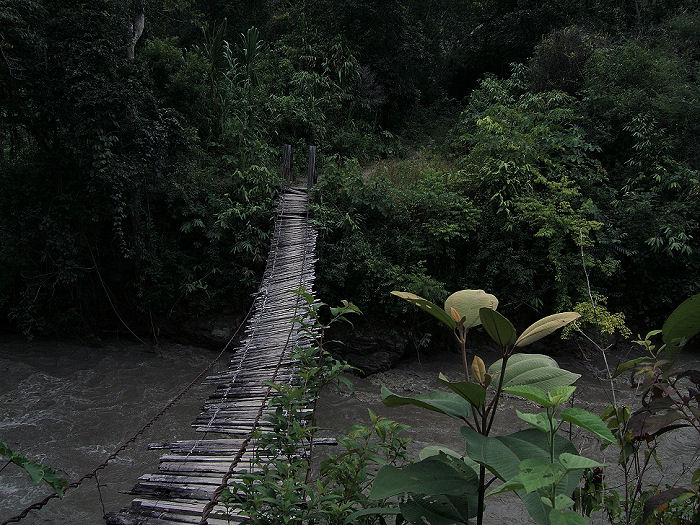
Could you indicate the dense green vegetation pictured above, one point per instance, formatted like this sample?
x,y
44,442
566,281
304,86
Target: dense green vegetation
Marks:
x,y
139,171
585,152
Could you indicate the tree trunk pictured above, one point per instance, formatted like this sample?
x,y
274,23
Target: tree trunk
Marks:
x,y
136,29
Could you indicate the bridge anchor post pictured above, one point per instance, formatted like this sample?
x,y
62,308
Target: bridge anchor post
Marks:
x,y
311,178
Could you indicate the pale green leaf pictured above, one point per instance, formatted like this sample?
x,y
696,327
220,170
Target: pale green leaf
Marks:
x,y
560,394
539,421
536,473
563,502
530,392
468,303
573,461
533,369
427,306
545,326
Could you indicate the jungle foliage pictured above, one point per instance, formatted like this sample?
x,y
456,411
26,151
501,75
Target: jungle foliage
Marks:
x,y
140,190
579,164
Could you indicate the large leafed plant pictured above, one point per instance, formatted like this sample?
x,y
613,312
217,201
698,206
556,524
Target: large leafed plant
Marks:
x,y
538,464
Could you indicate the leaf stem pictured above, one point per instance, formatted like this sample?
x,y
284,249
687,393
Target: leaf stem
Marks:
x,y
499,391
462,338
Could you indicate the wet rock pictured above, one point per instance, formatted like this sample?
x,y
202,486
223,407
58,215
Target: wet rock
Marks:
x,y
209,331
374,351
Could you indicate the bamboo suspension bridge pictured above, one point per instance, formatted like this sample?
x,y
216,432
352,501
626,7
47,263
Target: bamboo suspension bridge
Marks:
x,y
192,474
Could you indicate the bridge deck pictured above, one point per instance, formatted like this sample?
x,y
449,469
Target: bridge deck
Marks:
x,y
191,471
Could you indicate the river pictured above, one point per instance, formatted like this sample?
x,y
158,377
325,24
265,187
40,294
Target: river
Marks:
x,y
70,405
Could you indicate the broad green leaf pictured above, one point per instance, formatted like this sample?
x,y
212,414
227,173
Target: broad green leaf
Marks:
x,y
563,502
512,484
589,421
560,394
472,392
446,508
530,392
447,403
684,321
429,307
566,517
429,477
492,453
348,384
533,369
518,363
468,303
539,421
502,456
35,471
57,483
372,511
544,327
498,327
573,461
440,510
435,450
536,473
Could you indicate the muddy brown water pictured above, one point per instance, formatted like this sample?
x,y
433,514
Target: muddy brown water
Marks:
x,y
69,406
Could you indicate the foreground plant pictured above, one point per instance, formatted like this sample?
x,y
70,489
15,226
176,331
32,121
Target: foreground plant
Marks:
x,y
36,471
538,464
669,401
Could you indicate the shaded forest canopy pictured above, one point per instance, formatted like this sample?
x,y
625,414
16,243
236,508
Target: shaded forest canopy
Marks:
x,y
140,148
